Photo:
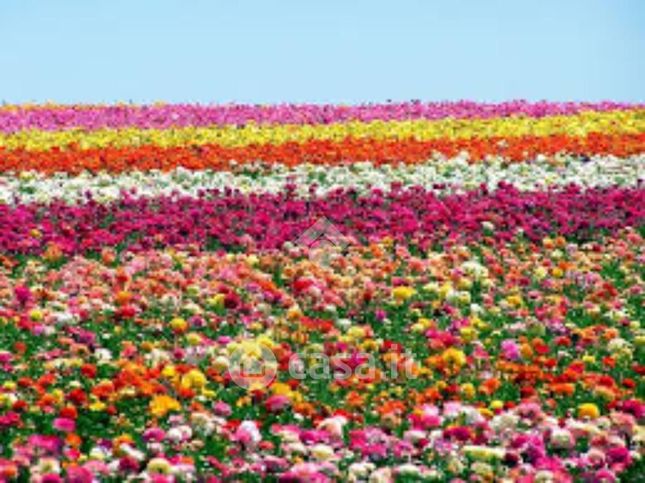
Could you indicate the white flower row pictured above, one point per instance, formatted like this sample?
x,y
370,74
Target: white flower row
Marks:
x,y
450,175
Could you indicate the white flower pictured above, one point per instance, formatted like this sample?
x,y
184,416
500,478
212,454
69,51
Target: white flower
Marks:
x,y
103,356
456,174
408,469
382,475
544,476
322,452
48,465
504,422
561,438
360,470
484,453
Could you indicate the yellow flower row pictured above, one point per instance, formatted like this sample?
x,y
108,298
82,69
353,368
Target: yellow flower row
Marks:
x,y
616,122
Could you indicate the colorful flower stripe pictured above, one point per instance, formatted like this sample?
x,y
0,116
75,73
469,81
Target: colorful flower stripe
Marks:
x,y
447,176
524,363
269,220
349,150
616,123
54,118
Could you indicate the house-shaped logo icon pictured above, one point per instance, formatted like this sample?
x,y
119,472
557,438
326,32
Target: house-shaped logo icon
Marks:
x,y
322,239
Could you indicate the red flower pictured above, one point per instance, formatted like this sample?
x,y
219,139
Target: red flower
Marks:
x,y
77,396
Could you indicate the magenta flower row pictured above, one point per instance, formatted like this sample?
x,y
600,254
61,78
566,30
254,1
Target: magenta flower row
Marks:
x,y
269,220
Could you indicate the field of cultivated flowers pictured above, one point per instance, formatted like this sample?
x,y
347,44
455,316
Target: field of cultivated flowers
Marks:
x,y
309,293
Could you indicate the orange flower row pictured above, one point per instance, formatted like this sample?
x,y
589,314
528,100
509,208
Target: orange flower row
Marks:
x,y
324,152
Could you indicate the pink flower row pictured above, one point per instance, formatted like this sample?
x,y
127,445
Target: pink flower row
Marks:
x,y
178,115
269,220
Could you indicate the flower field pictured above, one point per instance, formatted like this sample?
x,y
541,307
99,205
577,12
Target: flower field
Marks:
x,y
432,291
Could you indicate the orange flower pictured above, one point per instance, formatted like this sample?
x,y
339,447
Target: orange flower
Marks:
x,y
391,407
563,389
73,159
354,399
73,440
490,386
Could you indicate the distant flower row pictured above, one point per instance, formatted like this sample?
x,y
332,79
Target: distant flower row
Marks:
x,y
164,116
229,220
454,175
412,139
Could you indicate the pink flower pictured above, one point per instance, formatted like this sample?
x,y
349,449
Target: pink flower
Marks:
x,y
220,408
248,434
50,478
23,294
604,476
65,425
510,349
78,474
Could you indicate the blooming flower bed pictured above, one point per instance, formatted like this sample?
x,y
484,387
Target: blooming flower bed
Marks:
x,y
437,292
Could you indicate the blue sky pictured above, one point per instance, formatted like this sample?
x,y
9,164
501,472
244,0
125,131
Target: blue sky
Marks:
x,y
321,51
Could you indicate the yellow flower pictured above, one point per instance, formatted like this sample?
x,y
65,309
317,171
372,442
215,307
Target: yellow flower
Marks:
x,y
445,290
540,272
36,315
169,371
468,390
216,301
97,406
10,386
281,389
464,284
496,404
370,345
588,410
178,324
162,405
514,300
468,333
193,338
194,379
265,341
454,357
401,294
58,395
356,332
